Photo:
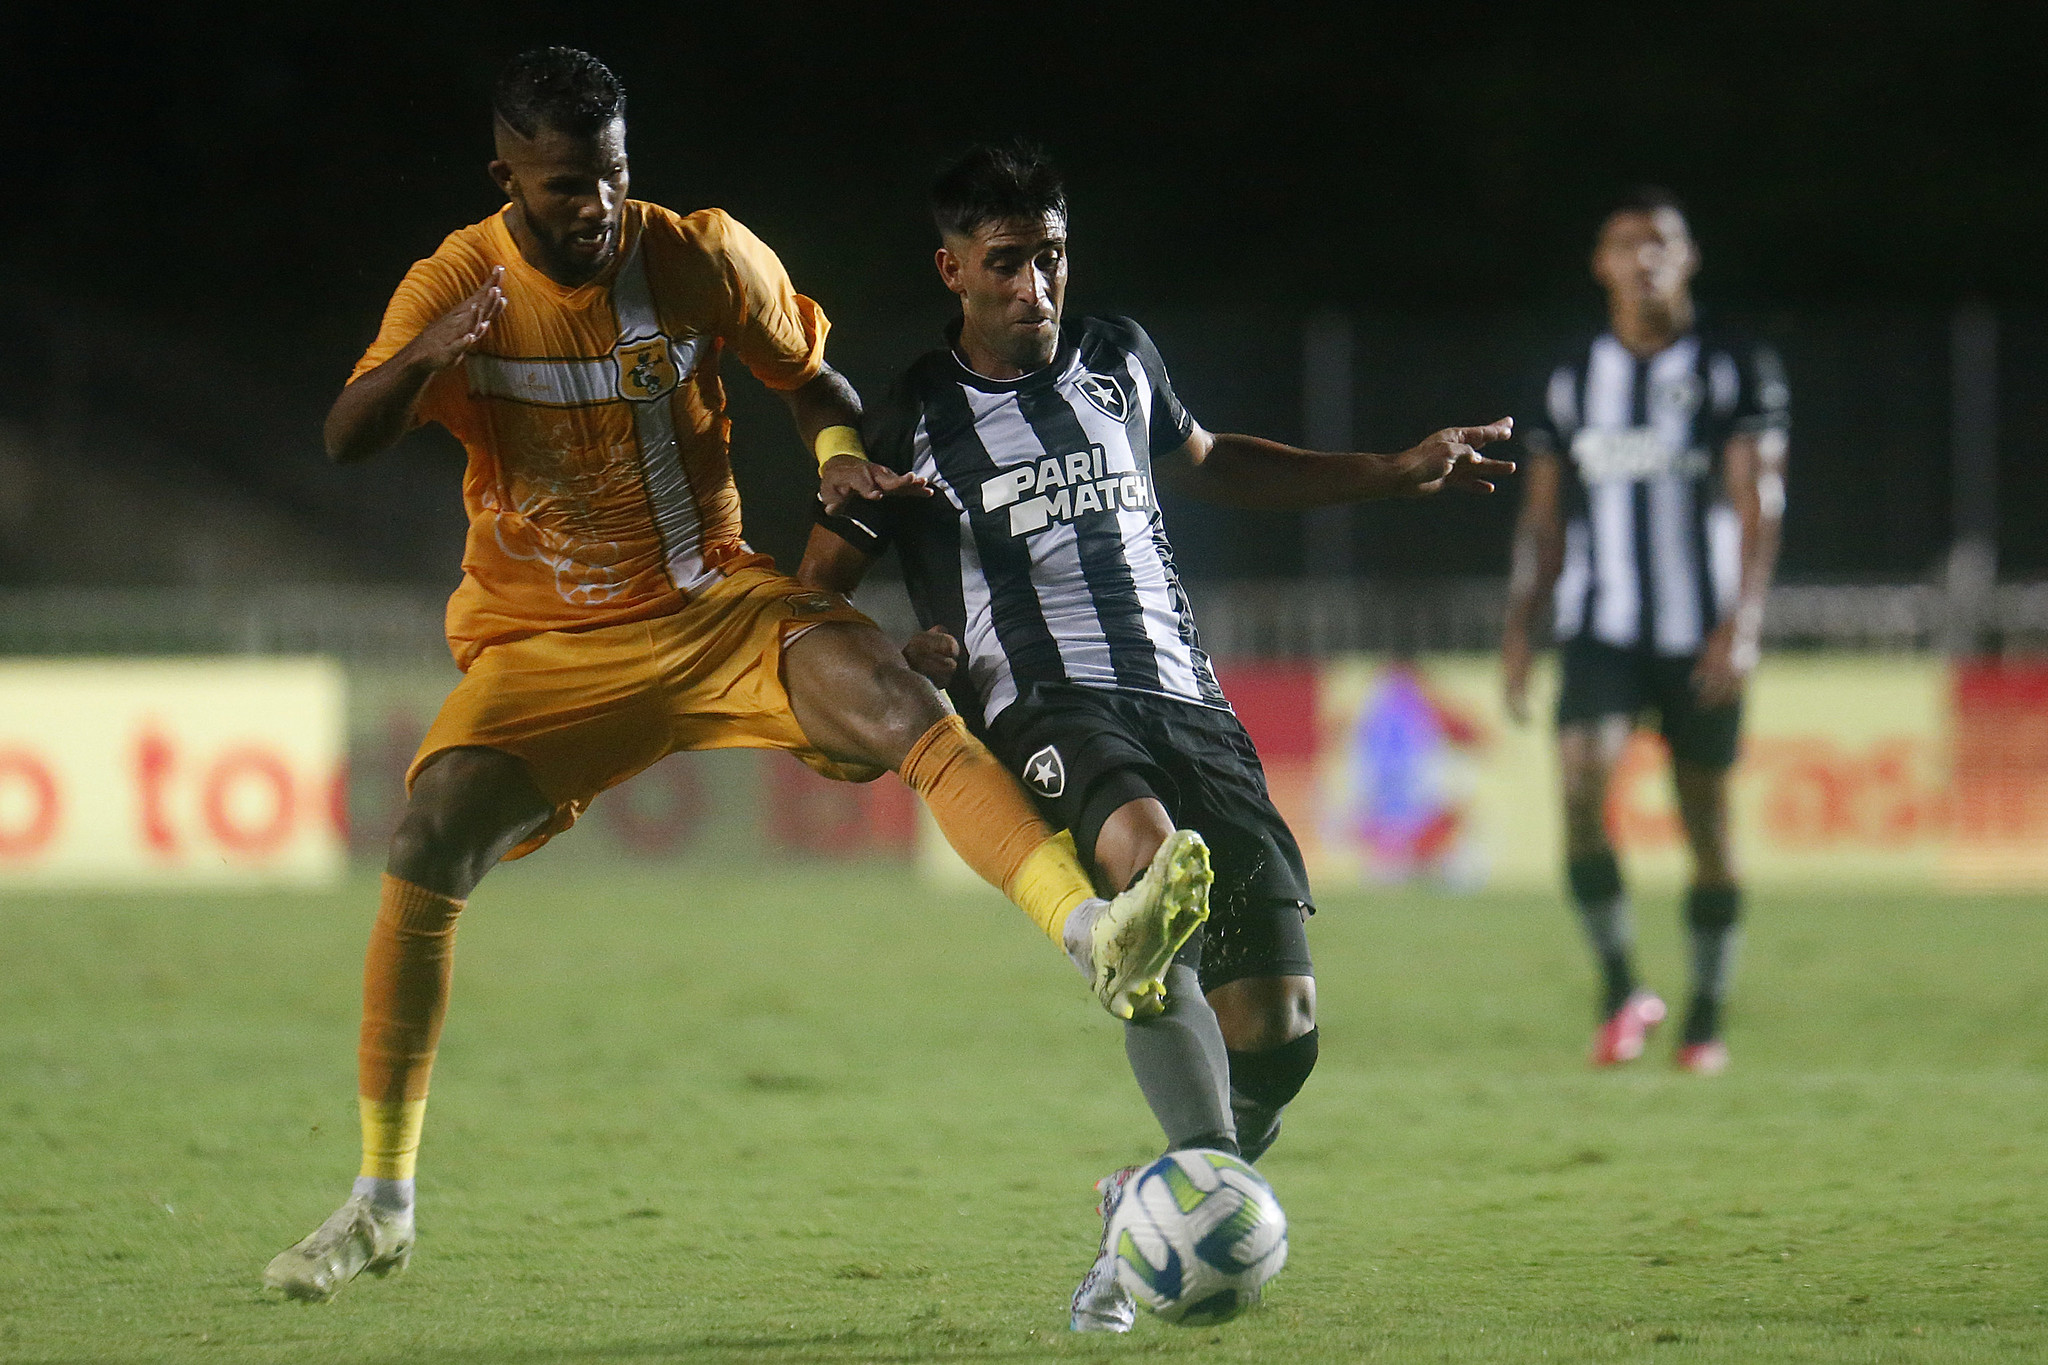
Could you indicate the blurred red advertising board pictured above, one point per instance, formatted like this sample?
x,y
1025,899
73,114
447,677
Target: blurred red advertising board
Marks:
x,y
200,772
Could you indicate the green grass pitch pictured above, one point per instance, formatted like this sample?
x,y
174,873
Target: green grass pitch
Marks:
x,y
828,1116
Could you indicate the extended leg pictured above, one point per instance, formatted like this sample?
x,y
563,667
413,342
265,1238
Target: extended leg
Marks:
x,y
858,702
1714,904
1178,1056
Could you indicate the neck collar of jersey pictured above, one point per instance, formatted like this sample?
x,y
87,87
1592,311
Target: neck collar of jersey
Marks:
x,y
517,264
1043,377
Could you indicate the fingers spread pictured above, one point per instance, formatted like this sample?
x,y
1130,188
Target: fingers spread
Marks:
x,y
1486,435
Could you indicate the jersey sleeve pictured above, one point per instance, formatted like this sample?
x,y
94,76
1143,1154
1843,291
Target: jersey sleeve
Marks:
x,y
1764,401
887,430
1171,423
430,289
1548,417
778,334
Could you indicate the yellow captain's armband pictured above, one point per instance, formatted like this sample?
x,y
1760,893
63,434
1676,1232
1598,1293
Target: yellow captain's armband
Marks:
x,y
839,440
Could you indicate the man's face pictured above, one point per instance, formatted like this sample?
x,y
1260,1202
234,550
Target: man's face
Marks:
x,y
1011,277
1645,259
571,192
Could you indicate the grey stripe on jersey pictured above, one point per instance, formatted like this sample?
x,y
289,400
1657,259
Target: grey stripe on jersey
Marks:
x,y
1183,669
1064,600
1647,550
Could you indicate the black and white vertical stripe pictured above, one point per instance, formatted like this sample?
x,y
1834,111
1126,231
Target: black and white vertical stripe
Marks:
x,y
1086,594
1652,546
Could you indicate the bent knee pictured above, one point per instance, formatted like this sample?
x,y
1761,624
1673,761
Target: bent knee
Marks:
x,y
467,807
1257,1014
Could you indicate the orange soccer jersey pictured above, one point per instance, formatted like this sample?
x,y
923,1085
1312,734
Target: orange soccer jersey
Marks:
x,y
599,487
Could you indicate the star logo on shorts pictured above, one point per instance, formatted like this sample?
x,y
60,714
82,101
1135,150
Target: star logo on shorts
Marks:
x,y
1046,774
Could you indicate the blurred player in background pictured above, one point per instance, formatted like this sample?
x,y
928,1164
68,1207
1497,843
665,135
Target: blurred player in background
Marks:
x,y
1650,516
1020,499
609,612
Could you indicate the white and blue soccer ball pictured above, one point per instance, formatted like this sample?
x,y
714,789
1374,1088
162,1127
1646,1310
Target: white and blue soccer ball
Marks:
x,y
1197,1234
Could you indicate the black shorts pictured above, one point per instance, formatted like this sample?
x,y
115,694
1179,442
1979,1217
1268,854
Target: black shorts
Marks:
x,y
1082,752
1603,680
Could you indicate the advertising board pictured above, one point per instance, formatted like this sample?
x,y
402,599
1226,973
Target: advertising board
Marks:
x,y
202,772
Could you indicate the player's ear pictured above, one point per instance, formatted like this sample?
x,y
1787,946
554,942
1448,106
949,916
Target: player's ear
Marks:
x,y
501,176
949,269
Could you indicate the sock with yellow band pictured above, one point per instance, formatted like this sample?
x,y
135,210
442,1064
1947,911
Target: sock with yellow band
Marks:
x,y
406,976
991,824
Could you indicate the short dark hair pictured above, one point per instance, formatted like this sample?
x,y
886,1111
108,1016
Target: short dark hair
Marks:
x,y
562,88
991,182
1644,199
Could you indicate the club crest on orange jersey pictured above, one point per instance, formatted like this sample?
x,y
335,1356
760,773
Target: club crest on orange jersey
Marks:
x,y
647,369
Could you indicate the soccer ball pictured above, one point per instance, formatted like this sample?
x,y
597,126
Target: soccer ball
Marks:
x,y
1197,1234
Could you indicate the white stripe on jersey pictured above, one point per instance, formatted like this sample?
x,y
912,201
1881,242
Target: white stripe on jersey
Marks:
x,y
1617,606
1674,577
988,668
546,381
1062,589
1572,581
1176,661
674,504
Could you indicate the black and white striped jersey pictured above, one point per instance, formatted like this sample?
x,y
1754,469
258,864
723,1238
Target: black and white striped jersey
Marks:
x,y
1042,549
1652,547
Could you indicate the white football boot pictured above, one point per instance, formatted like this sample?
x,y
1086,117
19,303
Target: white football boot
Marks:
x,y
1100,1303
1133,937
356,1237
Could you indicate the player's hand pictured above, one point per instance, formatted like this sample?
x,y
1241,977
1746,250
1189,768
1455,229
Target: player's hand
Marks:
x,y
846,477
448,338
1451,459
1723,667
935,654
1514,670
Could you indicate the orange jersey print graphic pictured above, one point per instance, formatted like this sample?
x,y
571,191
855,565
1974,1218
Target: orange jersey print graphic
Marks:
x,y
599,486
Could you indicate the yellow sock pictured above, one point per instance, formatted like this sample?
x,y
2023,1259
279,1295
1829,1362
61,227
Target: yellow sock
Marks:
x,y
391,1137
1050,884
405,997
992,825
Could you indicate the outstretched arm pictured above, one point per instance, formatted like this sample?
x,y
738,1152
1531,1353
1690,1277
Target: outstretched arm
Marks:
x,y
1755,469
378,408
1538,557
1248,471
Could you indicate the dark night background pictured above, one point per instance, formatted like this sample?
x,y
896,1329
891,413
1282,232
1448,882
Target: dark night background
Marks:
x,y
207,214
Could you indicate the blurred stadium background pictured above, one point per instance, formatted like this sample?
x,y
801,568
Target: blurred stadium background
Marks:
x,y
217,651
212,242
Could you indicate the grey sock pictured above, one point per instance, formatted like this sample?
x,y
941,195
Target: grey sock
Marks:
x,y
1181,1065
1711,915
1611,933
1603,909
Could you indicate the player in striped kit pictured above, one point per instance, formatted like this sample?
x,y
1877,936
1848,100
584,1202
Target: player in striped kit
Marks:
x,y
1650,515
1035,552
610,612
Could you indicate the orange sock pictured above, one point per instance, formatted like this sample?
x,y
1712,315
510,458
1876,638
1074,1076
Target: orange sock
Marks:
x,y
992,825
405,997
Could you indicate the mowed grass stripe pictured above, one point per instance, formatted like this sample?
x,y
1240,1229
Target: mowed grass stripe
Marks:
x,y
829,1116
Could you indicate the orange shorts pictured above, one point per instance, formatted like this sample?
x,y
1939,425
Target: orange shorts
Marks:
x,y
588,709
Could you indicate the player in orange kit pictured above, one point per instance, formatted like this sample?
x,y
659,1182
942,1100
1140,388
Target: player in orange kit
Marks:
x,y
609,612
